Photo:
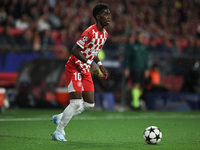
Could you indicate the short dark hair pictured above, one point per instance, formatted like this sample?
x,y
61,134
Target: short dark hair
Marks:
x,y
98,8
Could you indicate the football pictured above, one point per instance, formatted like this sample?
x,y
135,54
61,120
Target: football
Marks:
x,y
152,135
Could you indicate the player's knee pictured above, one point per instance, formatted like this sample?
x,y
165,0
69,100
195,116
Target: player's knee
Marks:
x,y
75,104
88,106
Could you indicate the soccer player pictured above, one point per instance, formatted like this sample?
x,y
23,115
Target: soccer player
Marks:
x,y
79,80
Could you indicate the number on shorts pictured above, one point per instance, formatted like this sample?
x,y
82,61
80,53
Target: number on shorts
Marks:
x,y
77,76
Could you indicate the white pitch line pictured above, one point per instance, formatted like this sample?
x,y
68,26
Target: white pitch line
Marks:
x,y
110,117
23,119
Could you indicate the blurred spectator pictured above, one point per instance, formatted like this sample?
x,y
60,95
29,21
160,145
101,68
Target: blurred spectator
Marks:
x,y
152,47
33,12
158,20
154,84
54,18
43,23
22,22
46,41
9,21
192,79
26,41
190,49
22,6
7,42
198,29
36,41
155,74
3,15
12,9
52,3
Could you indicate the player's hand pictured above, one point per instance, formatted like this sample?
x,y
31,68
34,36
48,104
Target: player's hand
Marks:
x,y
94,69
104,71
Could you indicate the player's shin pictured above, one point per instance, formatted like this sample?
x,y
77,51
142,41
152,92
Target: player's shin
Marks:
x,y
68,113
82,107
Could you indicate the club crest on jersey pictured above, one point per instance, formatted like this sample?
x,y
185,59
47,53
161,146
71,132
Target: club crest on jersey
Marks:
x,y
79,83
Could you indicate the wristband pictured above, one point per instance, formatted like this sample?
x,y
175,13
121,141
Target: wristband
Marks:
x,y
89,62
99,63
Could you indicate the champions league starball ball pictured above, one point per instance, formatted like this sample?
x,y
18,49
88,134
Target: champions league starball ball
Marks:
x,y
152,135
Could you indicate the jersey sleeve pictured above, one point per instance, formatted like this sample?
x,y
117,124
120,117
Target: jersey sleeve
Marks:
x,y
84,39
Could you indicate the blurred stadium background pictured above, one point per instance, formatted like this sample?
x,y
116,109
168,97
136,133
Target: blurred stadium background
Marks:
x,y
36,37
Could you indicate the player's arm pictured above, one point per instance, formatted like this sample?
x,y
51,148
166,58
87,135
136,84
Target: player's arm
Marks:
x,y
76,51
80,44
103,70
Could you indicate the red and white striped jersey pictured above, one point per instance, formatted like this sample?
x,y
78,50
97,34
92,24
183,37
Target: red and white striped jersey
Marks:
x,y
91,42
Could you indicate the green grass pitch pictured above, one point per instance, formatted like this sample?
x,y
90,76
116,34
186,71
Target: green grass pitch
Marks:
x,y
31,129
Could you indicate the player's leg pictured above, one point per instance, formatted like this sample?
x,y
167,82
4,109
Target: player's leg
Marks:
x,y
56,118
88,97
135,93
84,105
88,92
74,83
136,90
75,107
75,103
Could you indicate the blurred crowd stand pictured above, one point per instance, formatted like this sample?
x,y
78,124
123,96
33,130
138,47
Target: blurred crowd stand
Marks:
x,y
49,28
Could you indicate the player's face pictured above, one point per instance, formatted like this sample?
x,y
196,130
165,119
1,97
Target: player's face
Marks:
x,y
105,17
